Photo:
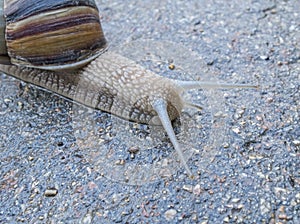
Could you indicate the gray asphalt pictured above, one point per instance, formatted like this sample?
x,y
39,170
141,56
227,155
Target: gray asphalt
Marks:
x,y
64,163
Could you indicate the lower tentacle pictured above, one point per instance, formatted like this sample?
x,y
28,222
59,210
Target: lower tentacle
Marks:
x,y
160,107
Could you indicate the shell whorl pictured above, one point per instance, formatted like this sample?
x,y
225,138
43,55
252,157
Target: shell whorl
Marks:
x,y
54,34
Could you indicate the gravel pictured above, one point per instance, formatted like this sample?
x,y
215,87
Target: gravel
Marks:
x,y
64,163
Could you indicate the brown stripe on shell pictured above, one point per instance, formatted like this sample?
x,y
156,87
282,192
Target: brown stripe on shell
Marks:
x,y
62,36
16,10
48,21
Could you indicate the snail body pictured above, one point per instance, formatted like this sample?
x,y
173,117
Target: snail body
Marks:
x,y
90,74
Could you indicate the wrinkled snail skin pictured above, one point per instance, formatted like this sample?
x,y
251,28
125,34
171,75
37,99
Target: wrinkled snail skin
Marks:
x,y
113,83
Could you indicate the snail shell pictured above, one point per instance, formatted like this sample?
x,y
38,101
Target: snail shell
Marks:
x,y
3,50
110,82
56,34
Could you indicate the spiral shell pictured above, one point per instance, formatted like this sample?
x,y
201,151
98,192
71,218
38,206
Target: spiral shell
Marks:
x,y
55,34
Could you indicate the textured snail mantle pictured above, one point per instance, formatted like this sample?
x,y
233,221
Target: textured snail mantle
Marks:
x,y
51,53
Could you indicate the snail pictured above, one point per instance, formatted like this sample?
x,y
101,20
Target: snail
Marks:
x,y
55,43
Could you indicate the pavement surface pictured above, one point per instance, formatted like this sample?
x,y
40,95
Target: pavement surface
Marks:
x,y
64,163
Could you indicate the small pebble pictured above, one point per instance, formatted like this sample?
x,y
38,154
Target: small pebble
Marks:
x,y
236,130
87,218
7,101
51,192
171,66
170,214
264,57
226,219
270,100
20,105
194,217
188,188
226,145
197,189
259,118
219,114
134,149
240,206
296,142
235,200
240,111
120,162
282,216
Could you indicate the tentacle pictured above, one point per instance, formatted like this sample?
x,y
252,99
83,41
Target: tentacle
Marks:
x,y
160,107
187,85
